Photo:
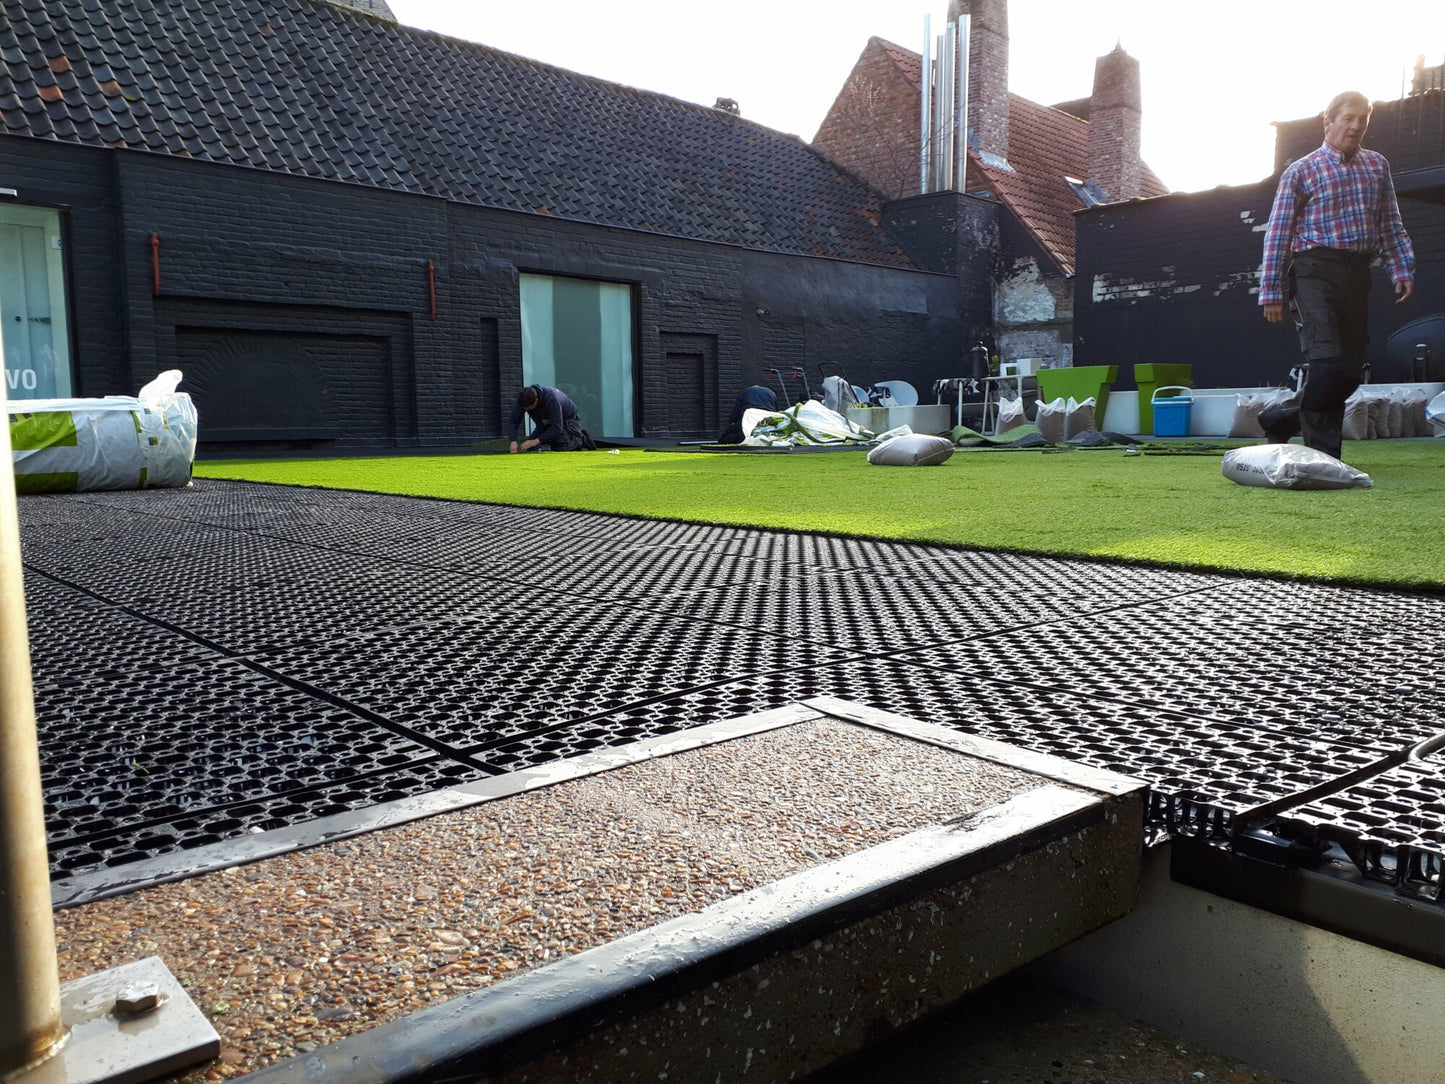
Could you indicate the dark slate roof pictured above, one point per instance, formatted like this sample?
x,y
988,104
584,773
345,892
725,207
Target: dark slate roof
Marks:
x,y
308,88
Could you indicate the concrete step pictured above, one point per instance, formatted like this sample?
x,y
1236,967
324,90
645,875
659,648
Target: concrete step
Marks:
x,y
785,978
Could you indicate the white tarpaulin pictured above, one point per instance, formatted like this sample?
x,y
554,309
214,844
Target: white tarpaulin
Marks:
x,y
806,423
117,442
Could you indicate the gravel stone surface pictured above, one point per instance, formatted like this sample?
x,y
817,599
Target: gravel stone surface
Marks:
x,y
301,950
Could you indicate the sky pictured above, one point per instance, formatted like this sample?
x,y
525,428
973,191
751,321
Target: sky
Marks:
x,y
1214,75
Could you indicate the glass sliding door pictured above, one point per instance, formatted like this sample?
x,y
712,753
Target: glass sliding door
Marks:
x,y
32,304
577,336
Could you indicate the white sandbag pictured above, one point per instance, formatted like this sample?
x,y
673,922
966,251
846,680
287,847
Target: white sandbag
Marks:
x,y
1010,415
1291,466
1356,425
1377,417
1049,417
1245,422
1393,416
116,442
1079,417
912,450
838,394
1413,422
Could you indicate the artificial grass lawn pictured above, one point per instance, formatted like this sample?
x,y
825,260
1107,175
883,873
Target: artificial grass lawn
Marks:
x,y
1168,509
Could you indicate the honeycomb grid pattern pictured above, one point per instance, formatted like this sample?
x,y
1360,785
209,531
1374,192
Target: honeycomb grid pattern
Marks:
x,y
231,658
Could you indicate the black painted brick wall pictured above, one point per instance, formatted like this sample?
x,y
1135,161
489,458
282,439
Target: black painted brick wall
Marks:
x,y
262,252
1176,279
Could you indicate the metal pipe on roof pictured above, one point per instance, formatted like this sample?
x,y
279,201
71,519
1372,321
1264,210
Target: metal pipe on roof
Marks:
x,y
943,105
960,112
925,119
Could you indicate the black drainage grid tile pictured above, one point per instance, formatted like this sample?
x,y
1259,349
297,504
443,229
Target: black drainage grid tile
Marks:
x,y
876,616
112,544
808,553
1281,606
257,605
186,829
141,555
156,743
645,574
471,684
1179,755
1401,807
1339,687
76,637
477,548
1106,582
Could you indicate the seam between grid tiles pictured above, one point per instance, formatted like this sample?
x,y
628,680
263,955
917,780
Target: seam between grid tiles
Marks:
x,y
260,669
463,754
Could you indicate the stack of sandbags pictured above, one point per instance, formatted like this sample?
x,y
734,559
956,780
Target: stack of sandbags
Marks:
x,y
1372,414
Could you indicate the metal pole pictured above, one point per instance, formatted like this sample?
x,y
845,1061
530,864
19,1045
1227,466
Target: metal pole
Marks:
x,y
30,1025
960,113
925,120
945,110
940,111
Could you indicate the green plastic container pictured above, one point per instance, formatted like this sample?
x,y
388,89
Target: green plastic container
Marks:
x,y
1150,379
1079,382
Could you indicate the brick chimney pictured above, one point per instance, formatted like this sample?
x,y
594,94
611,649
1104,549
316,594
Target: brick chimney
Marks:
x,y
987,76
1114,117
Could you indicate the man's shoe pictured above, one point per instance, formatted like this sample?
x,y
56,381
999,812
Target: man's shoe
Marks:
x,y
1274,420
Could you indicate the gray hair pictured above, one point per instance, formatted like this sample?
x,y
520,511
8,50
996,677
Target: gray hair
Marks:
x,y
1349,97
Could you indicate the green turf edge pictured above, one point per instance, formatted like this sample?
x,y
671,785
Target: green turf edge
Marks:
x,y
1412,586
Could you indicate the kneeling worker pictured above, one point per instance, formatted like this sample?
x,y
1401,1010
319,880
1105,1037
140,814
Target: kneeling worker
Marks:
x,y
556,426
756,397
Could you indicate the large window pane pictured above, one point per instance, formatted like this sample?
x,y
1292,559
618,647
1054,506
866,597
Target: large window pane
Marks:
x,y
577,336
32,304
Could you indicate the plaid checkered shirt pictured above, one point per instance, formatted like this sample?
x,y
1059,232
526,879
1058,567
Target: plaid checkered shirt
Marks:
x,y
1326,200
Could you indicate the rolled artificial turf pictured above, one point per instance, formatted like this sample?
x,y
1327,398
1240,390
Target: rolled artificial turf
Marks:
x,y
1174,510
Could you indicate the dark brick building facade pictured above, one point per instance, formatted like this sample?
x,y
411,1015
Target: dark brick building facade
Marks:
x,y
1176,279
322,218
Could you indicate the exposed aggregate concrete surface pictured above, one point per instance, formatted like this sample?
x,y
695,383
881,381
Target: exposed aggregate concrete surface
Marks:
x,y
294,952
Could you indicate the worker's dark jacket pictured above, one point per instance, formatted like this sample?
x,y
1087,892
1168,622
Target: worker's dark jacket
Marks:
x,y
757,397
555,418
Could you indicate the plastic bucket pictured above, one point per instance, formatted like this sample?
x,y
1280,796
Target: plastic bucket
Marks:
x,y
1171,412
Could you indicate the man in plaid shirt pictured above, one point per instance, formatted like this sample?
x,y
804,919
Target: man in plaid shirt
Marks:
x,y
1334,213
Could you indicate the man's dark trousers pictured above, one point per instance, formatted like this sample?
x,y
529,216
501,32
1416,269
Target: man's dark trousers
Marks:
x,y
1329,297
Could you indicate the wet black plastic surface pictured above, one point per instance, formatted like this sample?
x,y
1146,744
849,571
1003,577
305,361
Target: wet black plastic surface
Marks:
x,y
231,658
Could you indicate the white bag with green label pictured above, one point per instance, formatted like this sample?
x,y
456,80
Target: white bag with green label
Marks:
x,y
116,442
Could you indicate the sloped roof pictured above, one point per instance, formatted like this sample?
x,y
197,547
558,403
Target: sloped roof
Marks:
x,y
1046,145
308,88
909,62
